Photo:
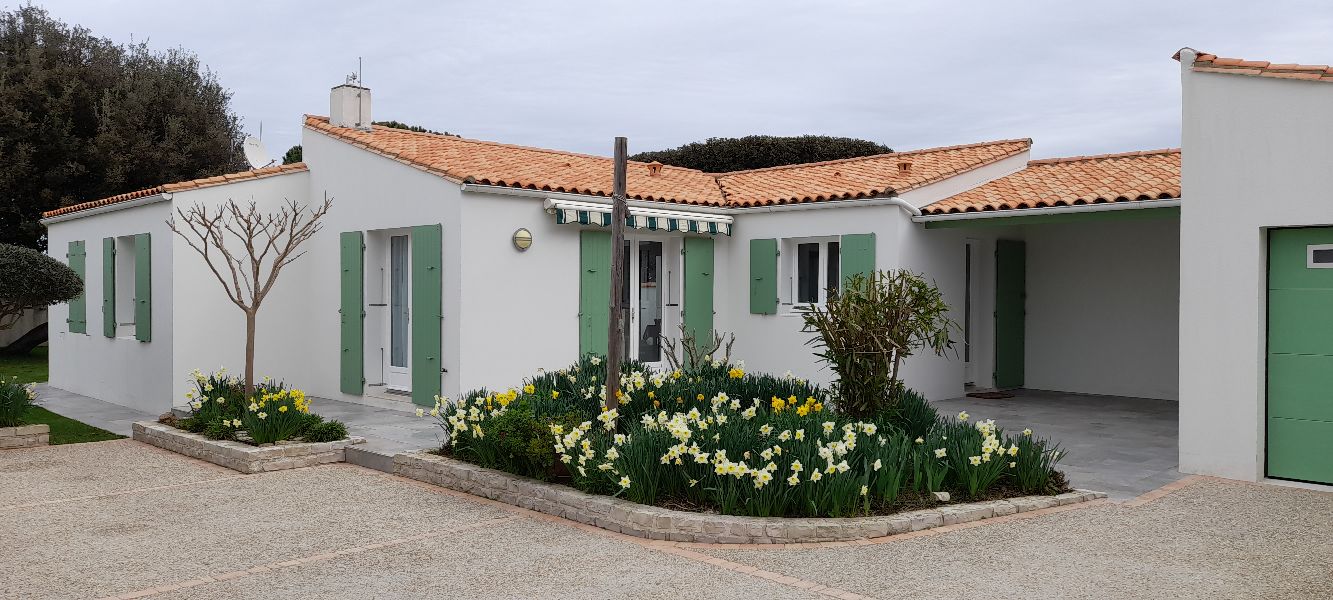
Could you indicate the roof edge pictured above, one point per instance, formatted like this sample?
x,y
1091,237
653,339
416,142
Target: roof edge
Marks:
x,y
180,186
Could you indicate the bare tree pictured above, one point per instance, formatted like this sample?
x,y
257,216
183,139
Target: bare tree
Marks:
x,y
246,249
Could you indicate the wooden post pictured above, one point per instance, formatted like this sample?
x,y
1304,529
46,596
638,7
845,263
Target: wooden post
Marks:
x,y
619,213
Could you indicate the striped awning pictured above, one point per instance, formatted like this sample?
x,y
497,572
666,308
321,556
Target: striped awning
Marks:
x,y
651,219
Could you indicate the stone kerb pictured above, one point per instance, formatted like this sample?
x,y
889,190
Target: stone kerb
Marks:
x,y
656,523
24,436
243,457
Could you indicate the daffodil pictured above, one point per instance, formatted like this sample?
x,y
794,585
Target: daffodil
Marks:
x,y
975,460
1027,432
624,482
962,416
940,452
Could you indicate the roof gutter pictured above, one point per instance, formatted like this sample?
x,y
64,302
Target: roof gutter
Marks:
x,y
703,208
1052,210
115,206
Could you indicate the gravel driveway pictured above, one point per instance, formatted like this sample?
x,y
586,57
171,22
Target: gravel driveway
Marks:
x,y
121,518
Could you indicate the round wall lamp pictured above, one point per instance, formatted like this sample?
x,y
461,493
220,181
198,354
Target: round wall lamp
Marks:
x,y
522,239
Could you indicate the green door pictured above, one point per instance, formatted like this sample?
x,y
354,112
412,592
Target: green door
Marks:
x,y
594,291
1010,313
351,313
1300,354
427,313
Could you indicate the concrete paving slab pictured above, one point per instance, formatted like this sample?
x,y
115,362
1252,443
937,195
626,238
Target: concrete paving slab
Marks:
x,y
105,415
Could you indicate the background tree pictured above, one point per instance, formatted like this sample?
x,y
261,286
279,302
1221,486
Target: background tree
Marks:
x,y
83,118
416,128
293,155
32,280
721,155
246,249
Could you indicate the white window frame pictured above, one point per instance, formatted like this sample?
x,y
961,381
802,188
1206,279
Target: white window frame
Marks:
x,y
126,266
1309,256
791,267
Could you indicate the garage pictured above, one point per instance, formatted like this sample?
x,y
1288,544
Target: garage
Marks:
x,y
1300,354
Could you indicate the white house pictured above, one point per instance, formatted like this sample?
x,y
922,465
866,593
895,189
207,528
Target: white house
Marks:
x,y
1085,274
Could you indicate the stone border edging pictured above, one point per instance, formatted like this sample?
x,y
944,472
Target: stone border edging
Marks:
x,y
243,457
657,523
25,436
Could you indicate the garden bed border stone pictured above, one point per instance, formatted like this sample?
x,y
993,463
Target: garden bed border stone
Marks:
x,y
243,457
25,436
657,523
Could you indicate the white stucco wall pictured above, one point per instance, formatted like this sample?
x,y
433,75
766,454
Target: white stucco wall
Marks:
x,y
371,192
209,328
122,370
1255,155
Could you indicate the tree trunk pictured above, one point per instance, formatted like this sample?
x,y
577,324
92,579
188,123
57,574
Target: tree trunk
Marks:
x,y
619,212
250,351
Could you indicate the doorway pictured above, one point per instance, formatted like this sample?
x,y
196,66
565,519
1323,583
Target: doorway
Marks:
x,y
644,298
1010,313
397,329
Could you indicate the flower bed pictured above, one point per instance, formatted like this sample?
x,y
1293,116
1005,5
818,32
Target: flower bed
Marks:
x,y
716,439
240,456
221,410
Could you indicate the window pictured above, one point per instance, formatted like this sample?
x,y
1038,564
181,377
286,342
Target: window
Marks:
x,y
1319,256
815,272
125,300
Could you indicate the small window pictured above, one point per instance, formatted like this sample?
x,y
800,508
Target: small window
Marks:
x,y
815,271
125,286
1319,256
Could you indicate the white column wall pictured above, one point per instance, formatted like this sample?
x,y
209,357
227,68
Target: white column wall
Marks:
x,y
120,370
209,328
371,192
1255,155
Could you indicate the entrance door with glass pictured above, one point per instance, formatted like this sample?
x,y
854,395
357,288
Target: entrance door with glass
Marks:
x,y
398,328
643,300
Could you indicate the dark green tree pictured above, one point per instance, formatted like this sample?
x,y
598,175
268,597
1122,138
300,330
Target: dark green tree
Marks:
x,y
31,280
721,155
293,155
83,118
416,128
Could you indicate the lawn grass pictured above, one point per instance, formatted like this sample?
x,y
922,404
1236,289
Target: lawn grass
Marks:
x,y
65,430
28,368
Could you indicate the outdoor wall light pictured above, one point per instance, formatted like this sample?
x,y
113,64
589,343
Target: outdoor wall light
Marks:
x,y
522,239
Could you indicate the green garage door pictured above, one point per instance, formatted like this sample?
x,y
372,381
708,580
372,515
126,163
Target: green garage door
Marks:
x,y
1300,354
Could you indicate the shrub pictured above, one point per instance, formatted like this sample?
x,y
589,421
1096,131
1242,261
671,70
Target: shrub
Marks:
x,y
31,280
326,431
869,327
219,430
15,398
220,409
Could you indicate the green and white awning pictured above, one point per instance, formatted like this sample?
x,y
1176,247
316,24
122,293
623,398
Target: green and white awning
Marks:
x,y
651,219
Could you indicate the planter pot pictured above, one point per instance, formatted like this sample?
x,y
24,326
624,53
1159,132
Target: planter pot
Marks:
x,y
657,523
24,436
243,457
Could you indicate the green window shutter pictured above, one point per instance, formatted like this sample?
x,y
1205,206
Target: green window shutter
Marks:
x,y
78,307
143,287
352,311
109,287
764,277
594,291
699,287
857,254
427,313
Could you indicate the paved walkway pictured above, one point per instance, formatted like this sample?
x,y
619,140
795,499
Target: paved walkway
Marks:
x,y
164,526
1121,446
389,429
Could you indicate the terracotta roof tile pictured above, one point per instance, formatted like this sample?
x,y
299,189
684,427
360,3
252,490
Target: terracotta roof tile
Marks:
x,y
1211,63
490,163
179,186
863,177
1147,175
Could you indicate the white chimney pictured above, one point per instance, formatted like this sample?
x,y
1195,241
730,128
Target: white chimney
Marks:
x,y
349,106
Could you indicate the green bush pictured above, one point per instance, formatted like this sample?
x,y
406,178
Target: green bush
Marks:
x,y
15,398
219,430
326,431
220,409
869,327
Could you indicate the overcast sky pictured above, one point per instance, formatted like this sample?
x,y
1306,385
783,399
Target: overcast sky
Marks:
x,y
1076,77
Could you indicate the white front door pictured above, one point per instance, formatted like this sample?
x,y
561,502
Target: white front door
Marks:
x,y
644,300
398,329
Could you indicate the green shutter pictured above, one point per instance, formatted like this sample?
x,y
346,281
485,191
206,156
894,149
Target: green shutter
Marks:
x,y
427,313
78,307
143,287
699,287
594,291
764,277
857,254
109,287
352,311
1010,313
